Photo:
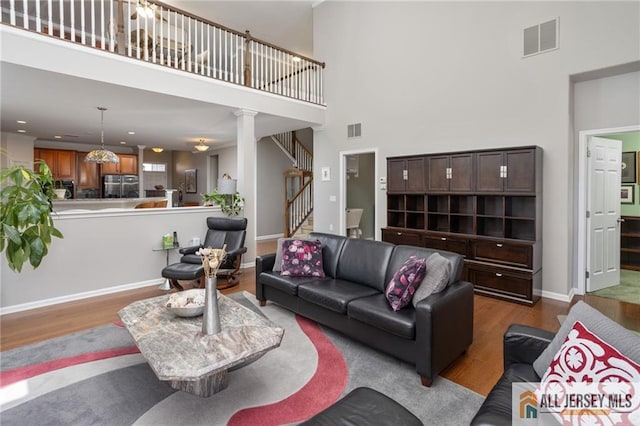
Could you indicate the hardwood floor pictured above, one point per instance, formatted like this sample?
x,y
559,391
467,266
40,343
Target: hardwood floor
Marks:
x,y
477,370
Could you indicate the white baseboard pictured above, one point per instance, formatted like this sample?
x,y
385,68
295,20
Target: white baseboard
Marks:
x,y
566,298
269,237
78,296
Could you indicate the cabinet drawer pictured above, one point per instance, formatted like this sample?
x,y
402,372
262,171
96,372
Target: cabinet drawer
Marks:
x,y
446,243
508,253
501,282
402,237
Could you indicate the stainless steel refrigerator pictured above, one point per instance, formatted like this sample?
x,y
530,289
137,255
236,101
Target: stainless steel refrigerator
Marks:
x,y
120,186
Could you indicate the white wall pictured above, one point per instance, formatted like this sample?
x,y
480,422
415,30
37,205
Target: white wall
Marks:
x,y
426,77
272,162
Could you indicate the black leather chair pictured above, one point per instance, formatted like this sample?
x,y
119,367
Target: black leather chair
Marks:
x,y
222,230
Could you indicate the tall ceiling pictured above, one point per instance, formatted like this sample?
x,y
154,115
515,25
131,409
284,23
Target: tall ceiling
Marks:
x,y
58,104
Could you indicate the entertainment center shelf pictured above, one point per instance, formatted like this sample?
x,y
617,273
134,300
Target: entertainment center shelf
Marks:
x,y
630,243
485,205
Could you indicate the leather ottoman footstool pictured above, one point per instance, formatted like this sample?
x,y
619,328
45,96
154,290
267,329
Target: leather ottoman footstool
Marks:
x,y
183,271
364,406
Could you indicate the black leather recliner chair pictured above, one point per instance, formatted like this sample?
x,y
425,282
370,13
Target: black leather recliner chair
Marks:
x,y
222,230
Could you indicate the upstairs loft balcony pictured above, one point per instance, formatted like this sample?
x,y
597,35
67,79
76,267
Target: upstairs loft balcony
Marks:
x,y
166,36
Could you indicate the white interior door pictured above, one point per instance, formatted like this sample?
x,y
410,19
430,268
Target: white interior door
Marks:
x,y
603,206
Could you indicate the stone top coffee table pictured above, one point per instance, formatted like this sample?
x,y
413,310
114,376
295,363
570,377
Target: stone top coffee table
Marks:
x,y
178,352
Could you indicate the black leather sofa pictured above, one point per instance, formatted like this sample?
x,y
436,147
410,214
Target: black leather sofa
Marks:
x,y
522,346
351,299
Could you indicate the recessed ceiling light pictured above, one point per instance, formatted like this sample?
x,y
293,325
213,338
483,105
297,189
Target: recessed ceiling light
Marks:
x,y
57,137
132,133
21,122
123,142
22,131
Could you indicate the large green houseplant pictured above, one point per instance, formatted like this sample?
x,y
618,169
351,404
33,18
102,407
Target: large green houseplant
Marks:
x,y
26,215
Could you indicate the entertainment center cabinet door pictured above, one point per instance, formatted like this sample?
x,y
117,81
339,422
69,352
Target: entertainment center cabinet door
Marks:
x,y
508,171
452,172
406,175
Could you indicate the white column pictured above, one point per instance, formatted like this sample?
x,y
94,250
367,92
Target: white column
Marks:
x,y
246,170
140,174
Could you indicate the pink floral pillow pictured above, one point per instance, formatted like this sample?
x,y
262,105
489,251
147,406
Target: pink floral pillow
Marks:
x,y
405,281
586,364
302,258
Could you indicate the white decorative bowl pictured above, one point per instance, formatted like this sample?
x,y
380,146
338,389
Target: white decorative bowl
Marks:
x,y
187,303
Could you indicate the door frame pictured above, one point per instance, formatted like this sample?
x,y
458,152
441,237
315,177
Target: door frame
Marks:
x,y
342,205
580,280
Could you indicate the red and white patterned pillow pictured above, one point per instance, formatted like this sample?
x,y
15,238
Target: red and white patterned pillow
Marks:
x,y
585,358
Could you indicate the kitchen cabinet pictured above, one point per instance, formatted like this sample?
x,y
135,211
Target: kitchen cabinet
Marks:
x,y
508,171
61,162
451,172
406,175
88,178
496,224
128,165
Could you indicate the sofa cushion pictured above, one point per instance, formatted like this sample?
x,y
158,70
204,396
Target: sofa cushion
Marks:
x,y
496,408
365,262
333,294
585,357
302,258
625,341
401,253
331,249
405,281
436,278
285,284
376,312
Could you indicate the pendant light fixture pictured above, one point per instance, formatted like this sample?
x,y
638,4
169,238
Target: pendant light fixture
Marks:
x,y
201,146
101,155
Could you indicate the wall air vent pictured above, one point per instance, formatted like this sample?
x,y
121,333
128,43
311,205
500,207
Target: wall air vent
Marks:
x,y
354,130
541,38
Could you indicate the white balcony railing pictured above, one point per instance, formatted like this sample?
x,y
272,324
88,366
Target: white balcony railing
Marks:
x,y
161,34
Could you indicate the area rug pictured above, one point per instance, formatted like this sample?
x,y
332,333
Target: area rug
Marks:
x,y
98,377
628,290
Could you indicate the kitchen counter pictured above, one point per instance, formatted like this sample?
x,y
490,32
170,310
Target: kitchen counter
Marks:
x,y
100,203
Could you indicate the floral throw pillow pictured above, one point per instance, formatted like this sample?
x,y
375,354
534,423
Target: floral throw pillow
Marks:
x,y
405,281
587,365
302,258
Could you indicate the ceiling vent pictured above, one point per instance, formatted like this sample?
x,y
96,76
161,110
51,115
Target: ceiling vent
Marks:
x,y
541,38
354,130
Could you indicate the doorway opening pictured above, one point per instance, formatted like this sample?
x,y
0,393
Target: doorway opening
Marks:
x,y
359,198
586,191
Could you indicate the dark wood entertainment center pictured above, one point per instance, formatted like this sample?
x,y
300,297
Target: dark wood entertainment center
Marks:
x,y
485,205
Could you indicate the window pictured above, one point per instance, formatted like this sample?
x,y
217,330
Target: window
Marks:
x,y
154,167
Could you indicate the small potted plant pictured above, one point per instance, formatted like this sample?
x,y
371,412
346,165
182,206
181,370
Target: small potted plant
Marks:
x,y
26,215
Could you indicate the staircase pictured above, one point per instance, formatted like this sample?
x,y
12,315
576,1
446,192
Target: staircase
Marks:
x,y
298,184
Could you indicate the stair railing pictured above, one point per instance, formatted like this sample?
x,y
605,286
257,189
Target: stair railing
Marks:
x,y
299,206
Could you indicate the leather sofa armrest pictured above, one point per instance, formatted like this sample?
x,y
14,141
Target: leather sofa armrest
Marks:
x,y
524,344
189,250
444,328
264,263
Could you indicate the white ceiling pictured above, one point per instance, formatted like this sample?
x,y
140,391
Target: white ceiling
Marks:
x,y
58,104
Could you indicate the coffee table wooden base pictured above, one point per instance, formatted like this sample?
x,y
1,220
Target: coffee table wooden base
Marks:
x,y
205,386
